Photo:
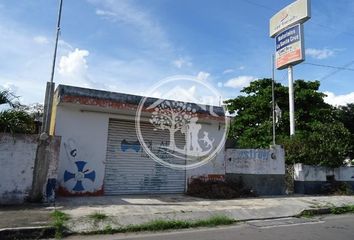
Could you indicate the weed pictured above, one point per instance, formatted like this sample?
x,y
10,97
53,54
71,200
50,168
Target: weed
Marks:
x,y
343,209
108,230
59,220
159,225
307,214
98,216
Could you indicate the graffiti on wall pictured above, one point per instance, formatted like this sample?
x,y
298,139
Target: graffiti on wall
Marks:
x,y
80,173
257,154
133,145
255,161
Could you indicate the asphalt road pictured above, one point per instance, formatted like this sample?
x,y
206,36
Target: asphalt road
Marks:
x,y
322,228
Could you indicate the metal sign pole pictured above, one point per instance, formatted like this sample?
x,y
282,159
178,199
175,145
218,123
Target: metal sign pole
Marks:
x,y
273,100
291,101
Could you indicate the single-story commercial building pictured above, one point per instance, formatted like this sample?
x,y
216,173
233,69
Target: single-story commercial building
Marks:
x,y
101,154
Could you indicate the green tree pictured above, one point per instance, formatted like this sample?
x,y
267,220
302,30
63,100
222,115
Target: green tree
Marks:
x,y
346,116
7,97
17,118
320,138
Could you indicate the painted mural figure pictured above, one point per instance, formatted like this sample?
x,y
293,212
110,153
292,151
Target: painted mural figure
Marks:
x,y
192,140
81,172
181,117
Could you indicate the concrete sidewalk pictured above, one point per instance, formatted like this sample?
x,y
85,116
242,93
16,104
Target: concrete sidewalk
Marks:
x,y
125,210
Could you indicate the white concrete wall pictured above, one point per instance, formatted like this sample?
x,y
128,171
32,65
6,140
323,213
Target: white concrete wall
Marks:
x,y
17,156
344,173
315,173
87,132
255,161
84,139
215,168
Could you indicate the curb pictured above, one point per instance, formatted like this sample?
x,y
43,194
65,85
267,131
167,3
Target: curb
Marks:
x,y
49,232
27,232
317,211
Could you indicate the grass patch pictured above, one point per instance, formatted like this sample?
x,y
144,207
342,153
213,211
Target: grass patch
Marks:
x,y
98,216
329,209
343,209
59,220
307,214
160,225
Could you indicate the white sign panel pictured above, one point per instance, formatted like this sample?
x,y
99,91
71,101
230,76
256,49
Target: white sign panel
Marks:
x,y
297,12
289,47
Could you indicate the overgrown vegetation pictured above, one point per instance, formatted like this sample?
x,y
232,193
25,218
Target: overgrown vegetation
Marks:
x,y
218,189
343,209
326,210
324,134
337,188
160,225
59,221
98,216
18,118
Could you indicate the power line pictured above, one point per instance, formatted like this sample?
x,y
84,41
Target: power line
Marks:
x,y
259,5
336,71
329,66
312,21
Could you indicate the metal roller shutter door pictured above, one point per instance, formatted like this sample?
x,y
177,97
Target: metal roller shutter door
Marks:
x,y
129,170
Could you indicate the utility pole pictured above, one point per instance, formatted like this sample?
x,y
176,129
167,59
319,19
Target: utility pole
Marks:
x,y
43,156
273,100
50,85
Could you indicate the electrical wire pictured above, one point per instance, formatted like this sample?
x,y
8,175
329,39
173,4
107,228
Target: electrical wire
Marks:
x,y
329,66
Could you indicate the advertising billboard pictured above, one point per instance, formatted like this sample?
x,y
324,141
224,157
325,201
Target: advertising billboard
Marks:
x,y
297,12
289,47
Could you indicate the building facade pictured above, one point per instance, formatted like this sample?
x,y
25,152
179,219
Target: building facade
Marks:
x,y
100,152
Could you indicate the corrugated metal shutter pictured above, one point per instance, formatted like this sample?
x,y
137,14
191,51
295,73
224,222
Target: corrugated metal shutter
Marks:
x,y
129,170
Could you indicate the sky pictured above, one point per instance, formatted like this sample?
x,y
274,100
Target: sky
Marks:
x,y
128,45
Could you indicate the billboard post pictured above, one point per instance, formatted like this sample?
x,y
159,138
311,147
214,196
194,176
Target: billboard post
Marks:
x,y
287,28
291,101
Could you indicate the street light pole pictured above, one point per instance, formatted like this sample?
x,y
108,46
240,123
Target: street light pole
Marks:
x,y
50,85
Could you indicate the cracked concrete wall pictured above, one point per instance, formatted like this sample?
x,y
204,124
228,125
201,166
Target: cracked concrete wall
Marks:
x,y
17,155
17,159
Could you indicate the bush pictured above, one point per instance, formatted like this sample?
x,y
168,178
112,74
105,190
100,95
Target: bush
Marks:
x,y
16,121
324,145
218,189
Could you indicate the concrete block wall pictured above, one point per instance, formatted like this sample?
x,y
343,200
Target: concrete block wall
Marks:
x,y
17,155
17,159
312,179
262,170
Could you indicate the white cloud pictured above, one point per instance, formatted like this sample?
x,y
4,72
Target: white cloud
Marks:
x,y
239,82
339,100
229,70
202,76
139,20
319,53
73,69
74,63
41,40
181,62
104,13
